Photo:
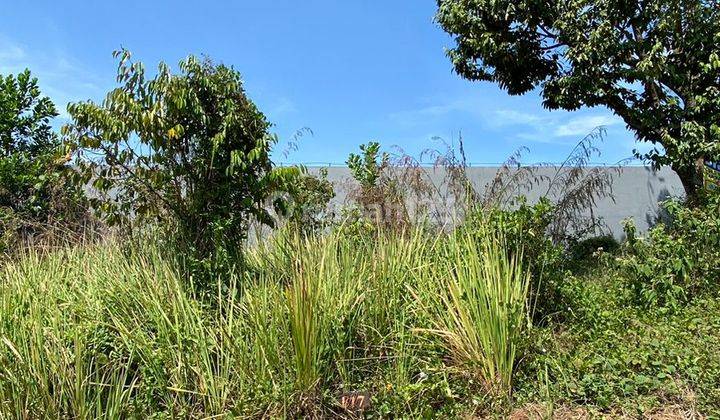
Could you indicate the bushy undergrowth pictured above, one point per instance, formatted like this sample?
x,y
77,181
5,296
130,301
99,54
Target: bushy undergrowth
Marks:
x,y
121,333
679,258
612,356
421,322
524,227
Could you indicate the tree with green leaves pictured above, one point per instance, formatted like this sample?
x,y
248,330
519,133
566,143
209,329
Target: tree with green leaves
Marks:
x,y
25,116
35,193
189,152
654,63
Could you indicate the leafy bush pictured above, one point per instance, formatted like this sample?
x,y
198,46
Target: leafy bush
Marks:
x,y
367,169
584,249
525,226
615,357
36,196
307,202
679,259
188,152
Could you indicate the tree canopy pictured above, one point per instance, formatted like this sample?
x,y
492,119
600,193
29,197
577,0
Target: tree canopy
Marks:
x,y
27,146
25,116
189,149
654,63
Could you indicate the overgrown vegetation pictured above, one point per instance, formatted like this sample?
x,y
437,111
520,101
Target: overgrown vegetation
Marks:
x,y
679,258
613,357
38,201
131,337
414,300
188,153
426,323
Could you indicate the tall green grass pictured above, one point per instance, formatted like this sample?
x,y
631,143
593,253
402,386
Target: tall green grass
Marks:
x,y
106,331
478,302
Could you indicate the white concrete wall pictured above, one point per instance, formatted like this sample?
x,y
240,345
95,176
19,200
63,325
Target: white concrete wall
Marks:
x,y
637,191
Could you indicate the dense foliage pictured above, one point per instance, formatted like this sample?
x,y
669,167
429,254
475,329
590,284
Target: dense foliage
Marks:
x,y
611,357
525,228
25,118
314,317
679,258
189,151
424,324
308,195
35,190
653,63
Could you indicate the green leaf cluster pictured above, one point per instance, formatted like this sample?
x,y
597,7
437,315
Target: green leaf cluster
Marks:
x,y
187,151
653,63
35,192
679,258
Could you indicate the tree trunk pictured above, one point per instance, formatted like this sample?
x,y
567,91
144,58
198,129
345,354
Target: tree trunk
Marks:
x,y
692,180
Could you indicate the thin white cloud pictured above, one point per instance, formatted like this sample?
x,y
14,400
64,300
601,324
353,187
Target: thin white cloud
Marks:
x,y
579,126
422,115
60,76
10,52
541,136
528,124
506,117
283,106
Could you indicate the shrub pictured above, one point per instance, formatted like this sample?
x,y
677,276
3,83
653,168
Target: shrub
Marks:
x,y
611,355
307,201
679,259
188,152
584,249
36,196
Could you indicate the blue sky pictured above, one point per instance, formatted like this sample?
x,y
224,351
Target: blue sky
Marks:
x,y
351,71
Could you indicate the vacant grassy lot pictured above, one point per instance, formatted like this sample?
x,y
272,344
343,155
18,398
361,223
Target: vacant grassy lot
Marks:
x,y
421,324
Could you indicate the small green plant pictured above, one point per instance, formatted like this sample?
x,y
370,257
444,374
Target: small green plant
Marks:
x,y
323,308
322,297
379,193
367,168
